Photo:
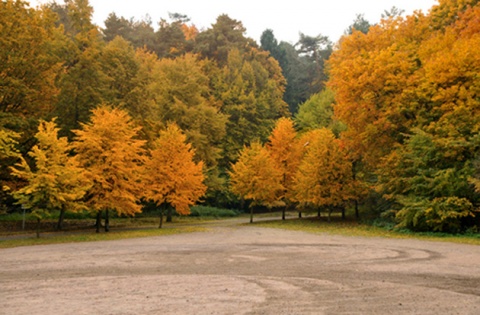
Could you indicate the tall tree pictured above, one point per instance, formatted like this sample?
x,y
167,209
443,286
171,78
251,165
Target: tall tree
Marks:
x,y
29,61
250,88
286,152
225,35
324,177
255,177
56,182
316,50
112,155
83,83
359,24
173,178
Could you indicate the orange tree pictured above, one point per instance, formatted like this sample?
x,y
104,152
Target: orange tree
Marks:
x,y
324,177
407,80
113,157
286,152
172,177
256,177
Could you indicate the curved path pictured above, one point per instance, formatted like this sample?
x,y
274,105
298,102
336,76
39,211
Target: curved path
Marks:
x,y
242,270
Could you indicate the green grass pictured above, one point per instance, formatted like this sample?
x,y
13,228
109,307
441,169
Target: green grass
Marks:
x,y
91,236
349,228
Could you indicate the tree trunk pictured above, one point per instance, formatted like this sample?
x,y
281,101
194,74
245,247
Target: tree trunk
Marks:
x,y
169,214
98,223
318,213
60,218
357,215
38,228
107,221
251,214
162,207
343,213
299,214
283,212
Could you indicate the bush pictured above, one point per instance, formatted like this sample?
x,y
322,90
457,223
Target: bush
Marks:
x,y
443,214
205,211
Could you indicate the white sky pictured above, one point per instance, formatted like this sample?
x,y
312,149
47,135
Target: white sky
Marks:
x,y
286,18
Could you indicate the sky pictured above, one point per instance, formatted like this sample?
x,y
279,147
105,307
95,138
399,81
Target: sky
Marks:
x,y
286,18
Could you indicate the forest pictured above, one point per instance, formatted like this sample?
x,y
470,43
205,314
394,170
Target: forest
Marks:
x,y
384,124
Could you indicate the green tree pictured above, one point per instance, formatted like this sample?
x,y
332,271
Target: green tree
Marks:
x,y
83,83
56,182
173,178
112,155
251,88
317,112
359,24
225,35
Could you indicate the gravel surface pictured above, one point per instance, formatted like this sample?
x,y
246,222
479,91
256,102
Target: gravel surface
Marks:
x,y
242,270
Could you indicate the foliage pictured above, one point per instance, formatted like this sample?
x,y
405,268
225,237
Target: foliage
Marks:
x,y
56,182
204,211
256,177
112,156
324,177
286,152
29,63
172,176
443,214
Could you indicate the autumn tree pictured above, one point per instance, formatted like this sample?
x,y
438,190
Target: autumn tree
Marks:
x,y
56,181
29,63
251,88
324,177
256,177
173,178
112,155
407,79
286,152
83,84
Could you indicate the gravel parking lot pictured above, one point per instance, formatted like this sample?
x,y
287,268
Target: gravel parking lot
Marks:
x,y
242,270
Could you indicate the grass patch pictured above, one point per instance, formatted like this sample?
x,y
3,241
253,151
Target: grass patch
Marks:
x,y
56,238
212,212
350,228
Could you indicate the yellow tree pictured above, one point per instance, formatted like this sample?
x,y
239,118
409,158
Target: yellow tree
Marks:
x,y
113,157
56,182
324,177
286,151
172,177
256,177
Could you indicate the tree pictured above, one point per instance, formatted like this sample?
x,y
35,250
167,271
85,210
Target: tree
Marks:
x,y
315,50
255,177
250,88
112,155
317,112
83,84
173,178
29,61
56,182
324,177
359,24
286,152
225,35
406,81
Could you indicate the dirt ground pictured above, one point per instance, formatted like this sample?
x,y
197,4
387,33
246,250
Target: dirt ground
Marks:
x,y
242,270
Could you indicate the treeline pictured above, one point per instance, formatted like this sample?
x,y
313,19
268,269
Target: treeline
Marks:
x,y
400,142
385,123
